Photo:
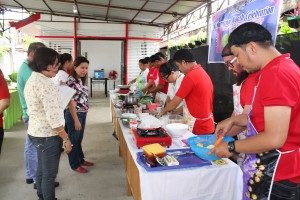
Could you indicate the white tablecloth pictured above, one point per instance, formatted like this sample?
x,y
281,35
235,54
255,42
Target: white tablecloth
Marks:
x,y
207,183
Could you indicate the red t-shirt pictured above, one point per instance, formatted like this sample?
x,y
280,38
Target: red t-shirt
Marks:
x,y
150,74
158,80
247,90
4,93
279,85
197,90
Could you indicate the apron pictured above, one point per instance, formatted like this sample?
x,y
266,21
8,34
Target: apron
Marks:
x,y
191,120
259,169
238,110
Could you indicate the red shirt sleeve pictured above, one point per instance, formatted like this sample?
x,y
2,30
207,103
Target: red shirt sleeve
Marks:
x,y
247,90
185,87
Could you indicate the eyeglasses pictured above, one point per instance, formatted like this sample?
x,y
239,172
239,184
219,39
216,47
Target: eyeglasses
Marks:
x,y
229,64
165,77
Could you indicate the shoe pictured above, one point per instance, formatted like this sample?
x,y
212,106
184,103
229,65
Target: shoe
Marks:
x,y
86,163
56,184
29,180
81,170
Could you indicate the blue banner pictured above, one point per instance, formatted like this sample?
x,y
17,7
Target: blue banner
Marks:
x,y
264,12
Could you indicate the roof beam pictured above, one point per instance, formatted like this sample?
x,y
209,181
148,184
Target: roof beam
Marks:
x,y
21,5
107,9
139,10
165,11
48,6
116,7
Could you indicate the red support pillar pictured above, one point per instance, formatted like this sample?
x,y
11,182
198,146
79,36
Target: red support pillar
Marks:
x,y
126,51
75,38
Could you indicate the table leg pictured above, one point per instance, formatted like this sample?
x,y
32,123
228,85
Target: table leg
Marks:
x,y
91,87
106,87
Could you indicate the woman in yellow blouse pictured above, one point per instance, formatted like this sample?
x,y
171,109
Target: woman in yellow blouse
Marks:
x,y
46,124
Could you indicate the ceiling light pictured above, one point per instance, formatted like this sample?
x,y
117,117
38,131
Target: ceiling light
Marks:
x,y
74,9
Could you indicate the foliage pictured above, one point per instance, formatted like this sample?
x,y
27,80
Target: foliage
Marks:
x,y
285,28
28,40
13,77
3,50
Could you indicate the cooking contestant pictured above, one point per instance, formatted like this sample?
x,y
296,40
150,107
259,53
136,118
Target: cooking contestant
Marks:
x,y
196,93
76,114
160,86
46,125
272,147
242,94
171,73
141,79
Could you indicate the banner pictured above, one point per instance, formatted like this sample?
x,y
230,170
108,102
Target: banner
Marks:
x,y
264,12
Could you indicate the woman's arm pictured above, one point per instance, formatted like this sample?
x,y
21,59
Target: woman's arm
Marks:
x,y
66,142
72,108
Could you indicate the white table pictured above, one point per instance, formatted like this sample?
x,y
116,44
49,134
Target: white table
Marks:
x,y
208,182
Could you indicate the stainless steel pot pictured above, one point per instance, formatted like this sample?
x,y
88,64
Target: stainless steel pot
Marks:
x,y
130,100
124,87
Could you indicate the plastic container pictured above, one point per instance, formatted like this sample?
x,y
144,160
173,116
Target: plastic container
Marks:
x,y
177,129
174,118
205,140
152,106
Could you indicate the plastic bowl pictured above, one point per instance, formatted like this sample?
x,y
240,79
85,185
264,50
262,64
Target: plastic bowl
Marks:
x,y
177,129
206,140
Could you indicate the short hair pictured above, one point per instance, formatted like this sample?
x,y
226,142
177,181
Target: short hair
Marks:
x,y
63,58
183,54
154,58
161,54
42,58
250,32
33,46
147,59
227,51
76,63
167,68
143,61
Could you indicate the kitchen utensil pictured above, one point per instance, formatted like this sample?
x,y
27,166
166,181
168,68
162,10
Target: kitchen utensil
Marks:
x,y
124,87
130,99
160,160
218,141
180,153
199,145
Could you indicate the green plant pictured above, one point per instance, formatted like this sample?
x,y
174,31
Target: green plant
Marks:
x,y
13,77
3,50
285,28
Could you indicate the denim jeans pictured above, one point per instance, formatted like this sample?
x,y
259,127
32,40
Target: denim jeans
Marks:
x,y
282,190
1,137
30,156
48,151
76,156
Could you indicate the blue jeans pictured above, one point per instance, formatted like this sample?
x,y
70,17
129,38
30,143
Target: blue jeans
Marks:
x,y
48,151
30,156
76,156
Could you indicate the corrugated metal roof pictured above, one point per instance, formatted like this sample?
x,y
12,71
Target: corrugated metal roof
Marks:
x,y
146,12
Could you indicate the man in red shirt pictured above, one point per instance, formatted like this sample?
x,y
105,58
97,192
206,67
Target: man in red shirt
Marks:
x,y
196,91
272,147
4,103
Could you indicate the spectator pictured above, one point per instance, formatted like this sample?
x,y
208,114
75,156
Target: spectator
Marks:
x,y
66,64
46,126
77,112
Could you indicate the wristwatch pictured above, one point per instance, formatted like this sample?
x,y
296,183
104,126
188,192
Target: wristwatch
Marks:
x,y
231,147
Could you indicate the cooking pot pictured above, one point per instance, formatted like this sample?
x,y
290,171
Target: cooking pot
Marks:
x,y
124,87
131,100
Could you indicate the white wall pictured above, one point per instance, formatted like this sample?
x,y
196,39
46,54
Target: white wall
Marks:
x,y
103,54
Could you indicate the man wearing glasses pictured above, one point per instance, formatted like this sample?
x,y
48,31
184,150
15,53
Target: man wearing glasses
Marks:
x,y
272,147
242,94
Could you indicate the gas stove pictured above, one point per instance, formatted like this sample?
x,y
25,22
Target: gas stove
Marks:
x,y
124,91
143,137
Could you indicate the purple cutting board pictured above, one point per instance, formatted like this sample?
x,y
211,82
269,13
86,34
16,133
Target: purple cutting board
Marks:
x,y
185,161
